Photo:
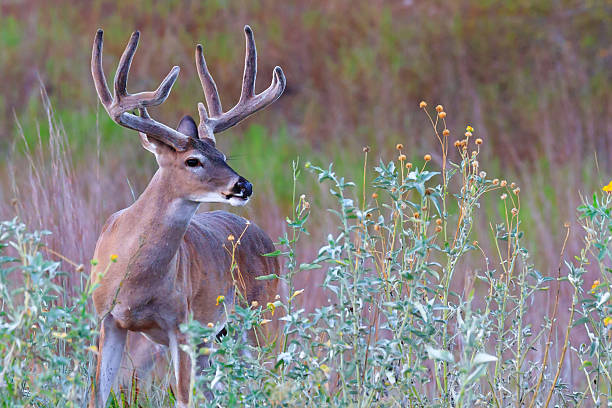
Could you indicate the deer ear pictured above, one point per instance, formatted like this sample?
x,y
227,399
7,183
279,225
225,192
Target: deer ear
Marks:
x,y
188,127
153,145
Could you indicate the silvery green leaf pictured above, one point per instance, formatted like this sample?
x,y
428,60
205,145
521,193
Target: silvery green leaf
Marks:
x,y
482,358
437,354
604,299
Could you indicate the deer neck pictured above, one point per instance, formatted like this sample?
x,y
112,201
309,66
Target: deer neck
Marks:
x,y
160,218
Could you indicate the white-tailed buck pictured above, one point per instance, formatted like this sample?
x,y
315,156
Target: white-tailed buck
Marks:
x,y
169,262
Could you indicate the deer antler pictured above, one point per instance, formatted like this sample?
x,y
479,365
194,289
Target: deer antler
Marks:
x,y
120,105
215,121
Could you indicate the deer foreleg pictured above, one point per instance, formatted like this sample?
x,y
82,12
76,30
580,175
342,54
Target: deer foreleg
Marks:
x,y
182,369
111,345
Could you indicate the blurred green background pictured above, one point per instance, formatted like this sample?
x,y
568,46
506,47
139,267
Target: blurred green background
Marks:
x,y
532,77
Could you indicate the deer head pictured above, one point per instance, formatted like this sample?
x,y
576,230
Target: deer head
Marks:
x,y
187,155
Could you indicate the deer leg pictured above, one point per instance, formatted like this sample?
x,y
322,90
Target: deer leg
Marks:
x,y
182,370
111,345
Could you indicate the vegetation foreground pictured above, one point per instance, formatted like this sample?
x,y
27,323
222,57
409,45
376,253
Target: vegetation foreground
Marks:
x,y
398,328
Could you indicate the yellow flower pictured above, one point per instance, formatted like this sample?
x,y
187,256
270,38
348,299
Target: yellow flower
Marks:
x,y
607,320
271,307
608,188
113,258
325,369
469,128
93,348
220,300
422,104
595,285
297,293
230,237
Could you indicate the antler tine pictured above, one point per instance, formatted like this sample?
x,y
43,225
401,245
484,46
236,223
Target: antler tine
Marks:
x,y
249,103
98,72
120,106
250,66
158,96
208,84
121,76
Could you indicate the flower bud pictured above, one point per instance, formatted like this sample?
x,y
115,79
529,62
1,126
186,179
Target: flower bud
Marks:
x,y
439,108
422,104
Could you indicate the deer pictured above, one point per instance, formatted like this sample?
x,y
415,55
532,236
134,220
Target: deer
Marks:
x,y
159,260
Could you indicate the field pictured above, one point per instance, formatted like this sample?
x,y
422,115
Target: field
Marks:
x,y
416,272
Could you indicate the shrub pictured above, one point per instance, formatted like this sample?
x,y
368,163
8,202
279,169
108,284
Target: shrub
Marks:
x,y
46,337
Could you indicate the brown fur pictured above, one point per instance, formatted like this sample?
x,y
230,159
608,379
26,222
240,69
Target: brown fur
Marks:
x,y
171,262
159,263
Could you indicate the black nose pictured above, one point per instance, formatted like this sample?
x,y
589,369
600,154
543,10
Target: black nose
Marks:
x,y
243,187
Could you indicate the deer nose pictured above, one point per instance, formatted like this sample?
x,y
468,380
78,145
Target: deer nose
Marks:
x,y
243,187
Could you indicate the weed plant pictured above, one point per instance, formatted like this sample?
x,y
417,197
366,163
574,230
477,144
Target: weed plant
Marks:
x,y
418,313
395,331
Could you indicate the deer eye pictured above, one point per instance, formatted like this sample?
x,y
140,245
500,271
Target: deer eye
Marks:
x,y
191,162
